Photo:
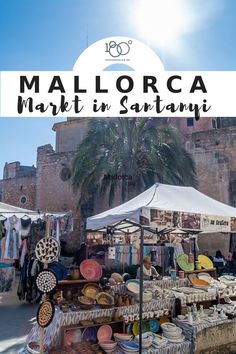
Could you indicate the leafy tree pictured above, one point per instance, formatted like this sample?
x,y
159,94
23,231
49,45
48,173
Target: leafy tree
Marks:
x,y
135,148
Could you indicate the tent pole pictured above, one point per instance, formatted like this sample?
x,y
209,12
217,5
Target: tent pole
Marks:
x,y
141,290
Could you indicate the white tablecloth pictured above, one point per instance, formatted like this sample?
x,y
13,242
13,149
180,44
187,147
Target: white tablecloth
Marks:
x,y
190,331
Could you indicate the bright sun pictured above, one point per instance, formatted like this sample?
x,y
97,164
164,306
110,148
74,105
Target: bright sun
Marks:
x,y
163,22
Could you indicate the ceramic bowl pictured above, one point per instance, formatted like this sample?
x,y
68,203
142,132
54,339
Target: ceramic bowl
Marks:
x,y
107,344
105,300
104,333
133,286
85,302
168,327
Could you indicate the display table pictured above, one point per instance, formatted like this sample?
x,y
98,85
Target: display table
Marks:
x,y
165,283
170,348
218,337
211,271
53,331
7,276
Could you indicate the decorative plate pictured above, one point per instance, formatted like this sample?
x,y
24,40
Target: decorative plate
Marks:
x,y
89,335
90,269
47,250
164,319
145,328
183,263
45,314
205,277
133,286
206,263
104,333
154,325
46,281
91,290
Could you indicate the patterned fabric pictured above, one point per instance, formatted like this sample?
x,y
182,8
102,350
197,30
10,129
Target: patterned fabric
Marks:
x,y
53,331
170,348
190,331
7,276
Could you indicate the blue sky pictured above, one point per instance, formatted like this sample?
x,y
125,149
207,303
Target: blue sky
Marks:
x,y
51,34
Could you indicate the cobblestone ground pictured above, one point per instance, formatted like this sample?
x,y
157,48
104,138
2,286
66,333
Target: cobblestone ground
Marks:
x,y
16,320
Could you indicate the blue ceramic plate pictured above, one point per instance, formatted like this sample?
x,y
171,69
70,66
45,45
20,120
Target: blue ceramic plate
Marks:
x,y
89,335
130,345
154,325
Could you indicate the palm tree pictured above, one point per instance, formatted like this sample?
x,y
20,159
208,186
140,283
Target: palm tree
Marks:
x,y
130,155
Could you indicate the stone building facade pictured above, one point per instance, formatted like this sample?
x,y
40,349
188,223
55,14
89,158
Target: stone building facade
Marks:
x,y
211,141
18,185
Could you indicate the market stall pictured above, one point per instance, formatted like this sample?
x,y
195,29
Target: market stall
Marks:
x,y
157,211
165,206
20,230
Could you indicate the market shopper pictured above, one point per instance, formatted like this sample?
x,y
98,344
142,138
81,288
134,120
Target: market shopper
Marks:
x,y
219,258
149,272
80,255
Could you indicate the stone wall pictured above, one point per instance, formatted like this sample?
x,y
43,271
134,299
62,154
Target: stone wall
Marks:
x,y
214,152
19,191
54,191
69,134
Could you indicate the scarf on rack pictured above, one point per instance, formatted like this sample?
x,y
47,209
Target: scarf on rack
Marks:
x,y
147,272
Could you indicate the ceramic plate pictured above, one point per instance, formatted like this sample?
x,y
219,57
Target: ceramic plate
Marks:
x,y
90,269
154,325
206,263
90,334
177,340
104,333
164,319
205,277
183,263
135,329
133,286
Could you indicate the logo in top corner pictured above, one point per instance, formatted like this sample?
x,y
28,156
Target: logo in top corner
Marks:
x,y
118,49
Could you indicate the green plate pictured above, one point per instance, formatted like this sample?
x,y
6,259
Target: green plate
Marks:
x,y
183,263
145,328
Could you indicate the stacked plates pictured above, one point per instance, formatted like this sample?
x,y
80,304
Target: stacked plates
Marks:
x,y
129,347
147,296
122,337
108,345
159,341
146,340
172,332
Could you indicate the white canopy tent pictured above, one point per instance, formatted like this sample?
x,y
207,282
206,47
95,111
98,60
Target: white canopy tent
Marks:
x,y
141,212
7,210
165,198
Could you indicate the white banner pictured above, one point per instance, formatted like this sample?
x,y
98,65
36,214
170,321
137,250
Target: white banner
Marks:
x,y
213,223
89,91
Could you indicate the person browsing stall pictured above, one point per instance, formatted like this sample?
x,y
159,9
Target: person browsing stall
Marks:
x,y
149,272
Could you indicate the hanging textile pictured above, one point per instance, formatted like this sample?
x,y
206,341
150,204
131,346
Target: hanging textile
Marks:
x,y
13,237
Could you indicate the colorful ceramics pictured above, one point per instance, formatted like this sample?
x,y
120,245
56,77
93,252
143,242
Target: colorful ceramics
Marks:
x,y
205,262
90,269
104,333
184,264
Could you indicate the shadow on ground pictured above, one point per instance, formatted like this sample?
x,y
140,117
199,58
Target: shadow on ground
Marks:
x,y
16,320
